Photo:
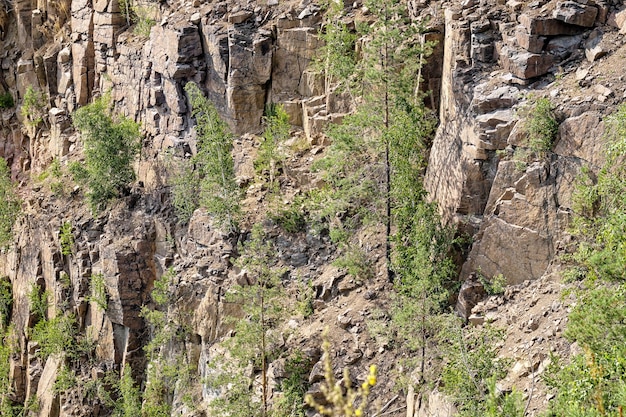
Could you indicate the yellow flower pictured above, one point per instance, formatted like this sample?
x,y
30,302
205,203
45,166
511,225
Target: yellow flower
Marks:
x,y
358,412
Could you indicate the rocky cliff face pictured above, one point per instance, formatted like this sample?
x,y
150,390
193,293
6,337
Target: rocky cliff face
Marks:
x,y
490,60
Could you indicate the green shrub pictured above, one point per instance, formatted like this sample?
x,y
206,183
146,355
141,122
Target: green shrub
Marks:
x,y
111,146
6,302
593,383
142,17
38,301
269,159
495,285
290,219
55,336
185,192
356,263
34,106
66,380
471,365
66,238
9,205
129,404
293,387
98,291
541,125
6,101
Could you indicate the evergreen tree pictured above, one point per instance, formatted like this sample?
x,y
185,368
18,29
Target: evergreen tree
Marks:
x,y
209,179
255,338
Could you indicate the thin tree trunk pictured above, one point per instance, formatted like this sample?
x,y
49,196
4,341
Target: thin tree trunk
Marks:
x,y
263,357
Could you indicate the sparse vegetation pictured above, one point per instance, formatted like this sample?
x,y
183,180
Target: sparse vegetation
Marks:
x,y
592,383
9,205
6,101
98,289
34,106
540,125
208,179
66,238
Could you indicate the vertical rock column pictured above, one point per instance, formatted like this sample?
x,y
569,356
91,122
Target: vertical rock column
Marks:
x,y
82,49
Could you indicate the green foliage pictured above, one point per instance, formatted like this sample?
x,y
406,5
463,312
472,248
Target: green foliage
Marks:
x,y
256,338
111,146
504,405
291,219
337,58
7,349
270,158
495,285
56,336
593,383
6,101
98,289
142,17
211,181
185,192
33,106
66,380
540,125
356,262
66,238
293,387
38,301
160,293
10,206
129,404
6,303
471,366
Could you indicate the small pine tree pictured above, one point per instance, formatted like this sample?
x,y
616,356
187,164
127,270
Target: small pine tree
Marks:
x,y
213,165
263,304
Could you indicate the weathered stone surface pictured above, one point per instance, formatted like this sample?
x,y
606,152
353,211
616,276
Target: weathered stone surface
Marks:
x,y
472,291
582,137
295,48
532,43
545,26
594,48
49,405
525,64
618,20
575,13
435,405
563,46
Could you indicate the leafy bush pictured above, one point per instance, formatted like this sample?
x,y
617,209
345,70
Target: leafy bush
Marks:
x,y
142,16
9,205
495,285
33,106
471,365
98,291
541,125
66,238
594,382
111,146
6,101
55,336
38,301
